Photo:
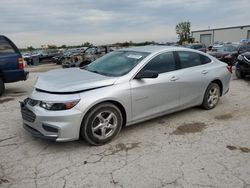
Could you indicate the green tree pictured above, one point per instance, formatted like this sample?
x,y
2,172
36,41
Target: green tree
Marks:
x,y
183,31
63,46
87,44
52,47
30,48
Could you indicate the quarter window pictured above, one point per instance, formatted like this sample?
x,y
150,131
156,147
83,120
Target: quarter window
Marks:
x,y
164,62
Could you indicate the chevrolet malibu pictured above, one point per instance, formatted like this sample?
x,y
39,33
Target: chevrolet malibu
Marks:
x,y
122,88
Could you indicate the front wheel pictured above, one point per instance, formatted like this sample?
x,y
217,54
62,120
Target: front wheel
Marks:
x,y
2,87
101,124
211,97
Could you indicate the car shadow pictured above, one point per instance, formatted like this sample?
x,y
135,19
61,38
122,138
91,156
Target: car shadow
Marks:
x,y
161,120
14,92
81,144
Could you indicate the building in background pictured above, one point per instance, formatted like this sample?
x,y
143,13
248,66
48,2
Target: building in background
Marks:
x,y
227,34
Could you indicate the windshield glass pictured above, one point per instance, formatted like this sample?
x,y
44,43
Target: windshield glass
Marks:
x,y
116,63
227,48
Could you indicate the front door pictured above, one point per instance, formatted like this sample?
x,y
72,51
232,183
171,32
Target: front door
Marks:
x,y
151,96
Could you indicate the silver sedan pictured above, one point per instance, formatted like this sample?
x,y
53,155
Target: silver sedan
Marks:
x,y
122,88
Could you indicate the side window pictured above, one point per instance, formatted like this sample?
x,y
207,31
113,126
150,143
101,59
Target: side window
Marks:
x,y
204,59
191,59
164,62
5,47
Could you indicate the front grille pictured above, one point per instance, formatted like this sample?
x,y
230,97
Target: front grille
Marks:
x,y
27,114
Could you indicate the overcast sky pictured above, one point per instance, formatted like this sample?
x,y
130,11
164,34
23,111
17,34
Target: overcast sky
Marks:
x,y
37,22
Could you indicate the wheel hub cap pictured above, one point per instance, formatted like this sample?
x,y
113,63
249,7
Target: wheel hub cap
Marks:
x,y
213,96
104,125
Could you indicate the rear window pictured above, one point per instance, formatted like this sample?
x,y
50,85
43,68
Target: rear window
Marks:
x,y
5,46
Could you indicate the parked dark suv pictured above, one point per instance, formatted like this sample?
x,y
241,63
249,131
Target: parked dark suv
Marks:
x,y
11,63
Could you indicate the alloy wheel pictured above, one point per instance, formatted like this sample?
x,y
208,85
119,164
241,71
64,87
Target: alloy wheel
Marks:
x,y
104,125
213,96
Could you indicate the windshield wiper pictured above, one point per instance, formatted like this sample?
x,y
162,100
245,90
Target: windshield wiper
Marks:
x,y
97,72
94,71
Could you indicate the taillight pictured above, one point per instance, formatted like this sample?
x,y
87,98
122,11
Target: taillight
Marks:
x,y
229,68
20,63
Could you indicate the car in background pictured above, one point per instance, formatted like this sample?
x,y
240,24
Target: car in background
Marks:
x,y
79,58
121,88
229,52
32,58
242,66
244,47
46,55
11,63
197,46
226,53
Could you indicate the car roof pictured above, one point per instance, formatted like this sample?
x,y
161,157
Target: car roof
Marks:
x,y
152,48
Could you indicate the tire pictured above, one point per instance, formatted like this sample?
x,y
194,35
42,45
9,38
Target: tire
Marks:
x,y
2,87
239,74
101,124
211,97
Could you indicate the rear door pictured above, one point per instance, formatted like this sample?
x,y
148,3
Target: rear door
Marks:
x,y
155,95
192,77
9,54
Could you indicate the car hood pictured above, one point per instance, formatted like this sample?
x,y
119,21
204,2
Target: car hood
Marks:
x,y
71,80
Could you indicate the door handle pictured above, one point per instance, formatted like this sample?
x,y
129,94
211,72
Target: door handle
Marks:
x,y
204,72
174,78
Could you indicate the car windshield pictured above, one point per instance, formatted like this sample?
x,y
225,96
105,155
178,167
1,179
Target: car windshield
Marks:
x,y
116,63
227,48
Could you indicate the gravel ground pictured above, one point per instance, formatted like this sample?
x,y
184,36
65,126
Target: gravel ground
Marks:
x,y
192,148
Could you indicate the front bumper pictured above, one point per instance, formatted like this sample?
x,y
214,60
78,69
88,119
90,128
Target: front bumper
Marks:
x,y
59,126
38,134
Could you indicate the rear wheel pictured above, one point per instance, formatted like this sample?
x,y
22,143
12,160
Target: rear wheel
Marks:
x,y
211,97
239,74
2,87
101,124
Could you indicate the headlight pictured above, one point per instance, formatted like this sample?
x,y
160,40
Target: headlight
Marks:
x,y
58,106
240,57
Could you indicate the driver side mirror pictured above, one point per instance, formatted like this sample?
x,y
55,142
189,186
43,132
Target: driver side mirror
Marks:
x,y
146,74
